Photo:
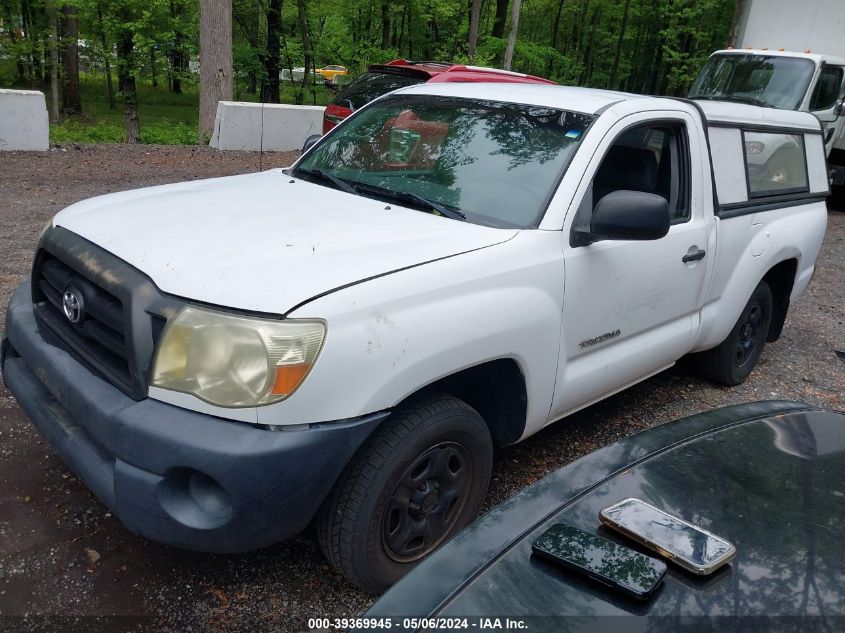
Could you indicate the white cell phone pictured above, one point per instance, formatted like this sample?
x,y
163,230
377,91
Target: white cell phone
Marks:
x,y
687,545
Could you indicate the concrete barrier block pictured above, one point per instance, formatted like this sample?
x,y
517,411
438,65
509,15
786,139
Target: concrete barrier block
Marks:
x,y
238,126
23,120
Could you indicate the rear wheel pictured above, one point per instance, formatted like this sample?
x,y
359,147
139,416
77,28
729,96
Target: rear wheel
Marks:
x,y
417,481
731,362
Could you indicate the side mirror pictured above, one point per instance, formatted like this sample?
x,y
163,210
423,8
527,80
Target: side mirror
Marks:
x,y
630,215
310,142
839,108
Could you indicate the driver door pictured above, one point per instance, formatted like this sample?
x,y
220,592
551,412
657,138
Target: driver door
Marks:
x,y
827,94
631,307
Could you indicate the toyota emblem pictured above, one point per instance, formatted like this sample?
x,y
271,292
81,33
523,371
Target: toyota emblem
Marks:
x,y
73,305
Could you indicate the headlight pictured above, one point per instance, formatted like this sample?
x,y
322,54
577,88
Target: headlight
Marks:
x,y
234,361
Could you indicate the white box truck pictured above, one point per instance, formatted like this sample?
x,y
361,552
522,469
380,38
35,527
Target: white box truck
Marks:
x,y
786,55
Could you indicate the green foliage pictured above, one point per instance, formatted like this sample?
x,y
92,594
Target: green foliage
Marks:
x,y
652,46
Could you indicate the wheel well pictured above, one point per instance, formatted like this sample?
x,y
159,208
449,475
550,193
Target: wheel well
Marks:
x,y
780,279
496,389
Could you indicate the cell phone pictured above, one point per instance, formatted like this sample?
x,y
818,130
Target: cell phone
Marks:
x,y
615,566
687,545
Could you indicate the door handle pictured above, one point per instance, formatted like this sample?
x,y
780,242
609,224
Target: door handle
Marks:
x,y
693,256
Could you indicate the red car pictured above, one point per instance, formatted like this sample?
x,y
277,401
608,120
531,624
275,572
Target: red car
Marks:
x,y
382,78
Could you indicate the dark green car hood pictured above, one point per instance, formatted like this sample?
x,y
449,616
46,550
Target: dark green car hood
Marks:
x,y
769,477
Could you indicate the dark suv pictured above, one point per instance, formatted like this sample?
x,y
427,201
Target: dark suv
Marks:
x,y
382,78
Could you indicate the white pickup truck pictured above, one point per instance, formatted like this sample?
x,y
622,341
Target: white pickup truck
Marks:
x,y
453,267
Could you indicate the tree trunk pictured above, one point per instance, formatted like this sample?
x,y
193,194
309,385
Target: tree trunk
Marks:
x,y
410,34
508,61
106,54
270,85
500,19
9,15
400,46
736,22
306,47
249,19
215,61
29,68
555,29
177,65
54,63
153,67
126,79
614,74
385,24
71,99
474,17
587,71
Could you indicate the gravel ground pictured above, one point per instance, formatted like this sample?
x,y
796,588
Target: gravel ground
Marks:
x,y
65,559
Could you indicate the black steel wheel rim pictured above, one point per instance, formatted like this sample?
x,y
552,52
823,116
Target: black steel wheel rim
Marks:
x,y
427,502
749,335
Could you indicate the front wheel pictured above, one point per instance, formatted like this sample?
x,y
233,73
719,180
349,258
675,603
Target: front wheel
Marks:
x,y
731,362
419,479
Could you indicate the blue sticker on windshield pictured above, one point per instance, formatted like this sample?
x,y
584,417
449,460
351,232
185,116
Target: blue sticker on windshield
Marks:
x,y
573,134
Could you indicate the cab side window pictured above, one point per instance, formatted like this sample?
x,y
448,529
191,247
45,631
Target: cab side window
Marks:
x,y
652,158
827,89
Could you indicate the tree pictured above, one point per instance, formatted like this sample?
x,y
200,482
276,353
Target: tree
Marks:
x,y
500,18
385,23
215,61
71,98
615,72
508,61
306,45
736,21
635,45
270,85
54,62
126,75
101,32
474,16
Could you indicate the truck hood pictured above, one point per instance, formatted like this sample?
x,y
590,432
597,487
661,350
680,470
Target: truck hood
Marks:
x,y
265,241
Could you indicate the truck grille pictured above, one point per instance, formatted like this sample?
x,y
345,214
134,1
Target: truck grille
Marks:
x,y
121,314
101,329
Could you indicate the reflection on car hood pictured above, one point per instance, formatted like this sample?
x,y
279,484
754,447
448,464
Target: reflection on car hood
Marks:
x,y
766,476
265,242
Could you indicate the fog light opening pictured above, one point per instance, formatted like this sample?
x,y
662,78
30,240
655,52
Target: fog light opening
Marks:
x,y
194,499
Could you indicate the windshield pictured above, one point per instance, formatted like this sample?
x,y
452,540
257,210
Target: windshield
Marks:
x,y
494,163
773,81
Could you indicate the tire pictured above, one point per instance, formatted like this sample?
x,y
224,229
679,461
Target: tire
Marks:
x,y
731,362
419,479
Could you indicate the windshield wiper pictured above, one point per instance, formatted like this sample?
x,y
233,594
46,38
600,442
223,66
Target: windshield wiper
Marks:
x,y
337,182
425,202
749,100
408,196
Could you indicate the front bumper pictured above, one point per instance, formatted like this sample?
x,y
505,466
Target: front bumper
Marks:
x,y
175,476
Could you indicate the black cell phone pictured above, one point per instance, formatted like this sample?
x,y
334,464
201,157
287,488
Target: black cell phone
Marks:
x,y
616,566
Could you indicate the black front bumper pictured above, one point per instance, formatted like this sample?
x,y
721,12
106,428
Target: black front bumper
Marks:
x,y
172,475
